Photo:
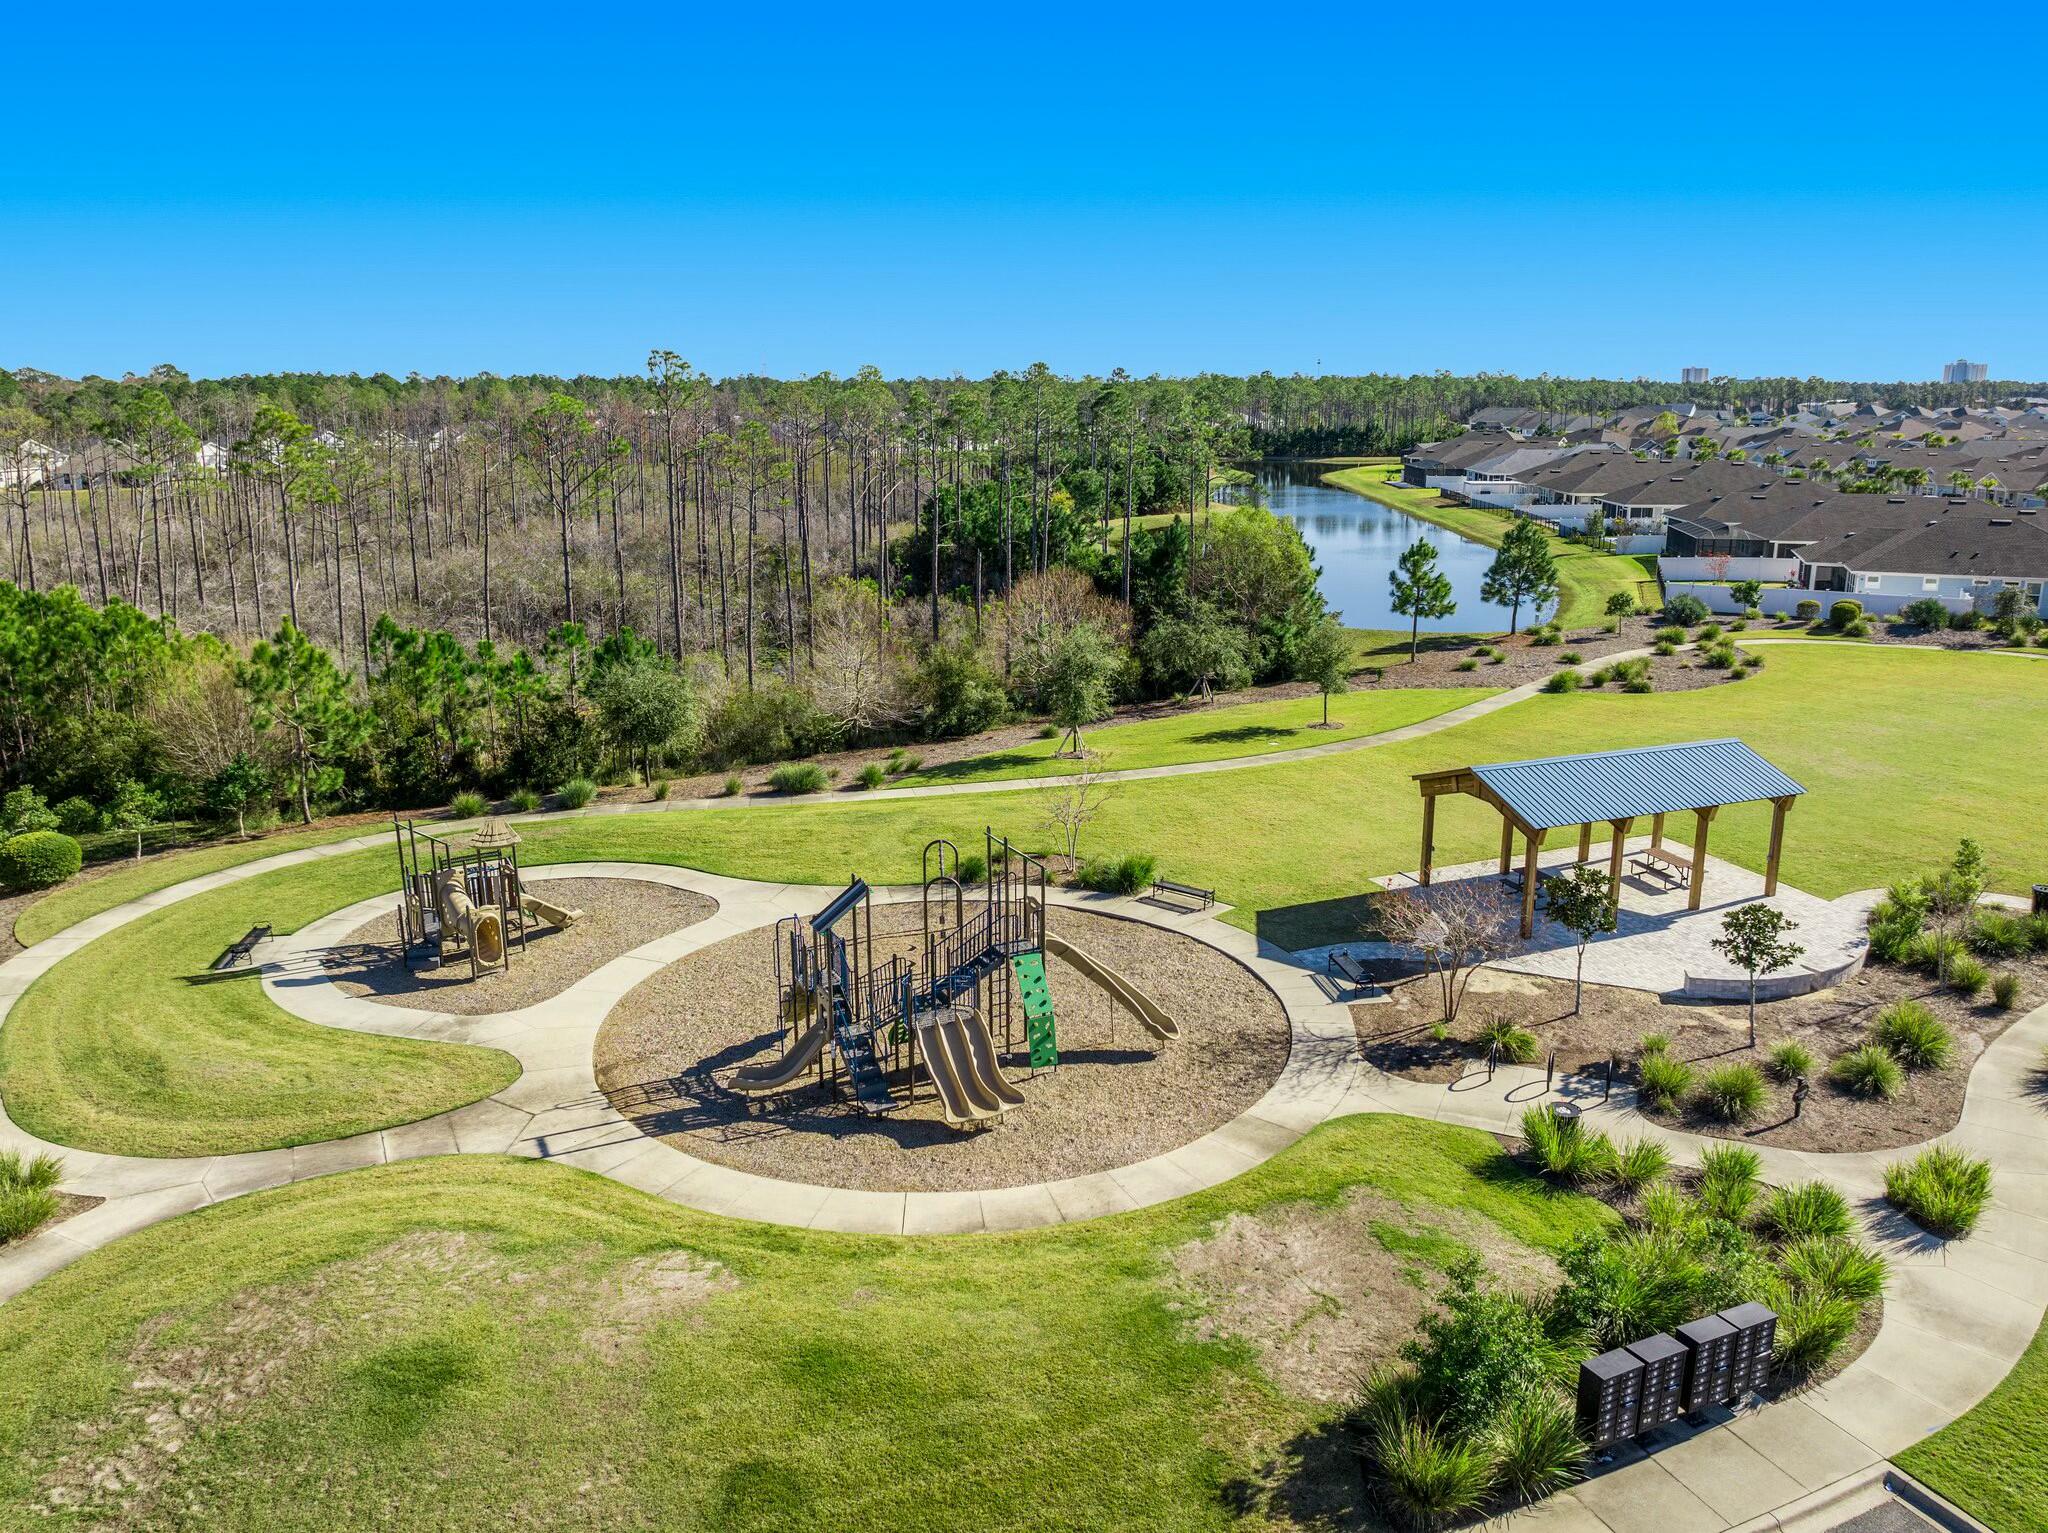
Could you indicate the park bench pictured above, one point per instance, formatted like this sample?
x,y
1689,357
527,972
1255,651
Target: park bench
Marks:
x,y
1350,969
238,952
1654,859
1202,898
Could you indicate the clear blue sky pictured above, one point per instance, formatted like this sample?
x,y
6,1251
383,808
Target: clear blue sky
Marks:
x,y
1852,192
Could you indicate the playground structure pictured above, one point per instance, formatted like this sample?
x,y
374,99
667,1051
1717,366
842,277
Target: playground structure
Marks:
x,y
855,1022
460,895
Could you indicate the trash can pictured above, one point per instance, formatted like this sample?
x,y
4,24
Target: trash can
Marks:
x,y
2041,899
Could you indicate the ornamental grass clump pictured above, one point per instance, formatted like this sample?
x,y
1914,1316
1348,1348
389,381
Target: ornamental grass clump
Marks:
x,y
1913,1035
576,792
799,777
1731,1177
1639,1165
1868,1072
1810,1208
1565,1148
1941,1189
1789,1061
1663,1081
1511,1044
1732,1093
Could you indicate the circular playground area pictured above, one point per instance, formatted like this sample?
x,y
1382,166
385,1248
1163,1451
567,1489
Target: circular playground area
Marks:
x,y
614,916
668,1054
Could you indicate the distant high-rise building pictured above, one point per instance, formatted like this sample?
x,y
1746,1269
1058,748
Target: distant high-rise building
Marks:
x,y
1693,375
1960,371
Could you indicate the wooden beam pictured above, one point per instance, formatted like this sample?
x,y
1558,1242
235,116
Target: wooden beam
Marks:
x,y
1656,832
1778,808
1535,847
1507,845
1585,841
1615,851
1702,818
1428,837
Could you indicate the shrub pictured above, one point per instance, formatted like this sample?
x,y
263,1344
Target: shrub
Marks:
x,y
1543,638
1808,611
1565,1148
1431,1476
1665,1208
1570,657
1868,1072
769,723
1811,1208
1514,1045
23,810
1564,681
42,1171
1926,612
1730,1179
1811,1328
1834,1264
24,1209
1653,1043
2005,990
469,805
1941,1189
798,777
1733,1093
973,868
576,792
523,800
76,816
903,765
1719,658
1842,613
1048,731
2000,934
1685,610
873,775
1664,647
1129,873
733,785
1913,1036
1663,1081
1966,976
1536,1445
1468,665
1707,633
1790,1060
1858,629
1969,620
1639,1165
1673,635
38,859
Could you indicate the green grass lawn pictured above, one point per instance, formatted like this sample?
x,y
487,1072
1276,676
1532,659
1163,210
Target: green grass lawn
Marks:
x,y
453,1344
1248,729
1990,1462
122,1048
1585,578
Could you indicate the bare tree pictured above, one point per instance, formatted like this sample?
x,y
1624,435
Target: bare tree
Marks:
x,y
1074,804
1459,928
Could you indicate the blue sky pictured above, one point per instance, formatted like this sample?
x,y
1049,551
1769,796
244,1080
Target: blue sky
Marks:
x,y
939,190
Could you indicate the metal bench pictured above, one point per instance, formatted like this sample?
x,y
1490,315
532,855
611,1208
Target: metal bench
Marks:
x,y
238,952
1202,898
1351,970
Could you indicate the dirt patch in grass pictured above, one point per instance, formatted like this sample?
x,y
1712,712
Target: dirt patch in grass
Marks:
x,y
619,914
1398,1037
1323,1294
666,1052
184,1375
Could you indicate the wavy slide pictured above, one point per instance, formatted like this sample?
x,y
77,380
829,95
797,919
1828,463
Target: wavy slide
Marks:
x,y
1121,990
773,1077
961,1059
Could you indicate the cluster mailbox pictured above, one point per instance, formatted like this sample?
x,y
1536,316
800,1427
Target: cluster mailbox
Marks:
x,y
1648,1383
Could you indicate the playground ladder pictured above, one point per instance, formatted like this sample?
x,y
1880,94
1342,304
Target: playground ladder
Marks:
x,y
1038,1019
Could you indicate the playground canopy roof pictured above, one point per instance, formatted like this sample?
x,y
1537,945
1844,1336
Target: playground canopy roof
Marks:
x,y
1616,785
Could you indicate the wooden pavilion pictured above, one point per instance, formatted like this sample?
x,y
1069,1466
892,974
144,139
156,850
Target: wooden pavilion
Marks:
x,y
1617,789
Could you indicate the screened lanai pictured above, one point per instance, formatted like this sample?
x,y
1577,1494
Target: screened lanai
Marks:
x,y
1618,789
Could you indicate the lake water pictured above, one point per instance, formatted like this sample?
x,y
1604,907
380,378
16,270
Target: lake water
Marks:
x,y
1356,542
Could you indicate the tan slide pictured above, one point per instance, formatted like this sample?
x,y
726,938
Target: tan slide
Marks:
x,y
1121,990
481,929
965,1094
981,1053
553,915
773,1077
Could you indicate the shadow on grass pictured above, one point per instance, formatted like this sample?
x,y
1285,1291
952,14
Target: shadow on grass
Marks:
x,y
983,766
1315,1480
1319,922
1243,734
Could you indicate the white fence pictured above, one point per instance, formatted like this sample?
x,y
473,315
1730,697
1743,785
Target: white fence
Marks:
x,y
1784,601
1691,567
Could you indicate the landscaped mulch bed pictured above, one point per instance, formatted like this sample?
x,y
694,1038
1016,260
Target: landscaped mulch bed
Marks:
x,y
1396,1037
1437,665
1119,1095
619,914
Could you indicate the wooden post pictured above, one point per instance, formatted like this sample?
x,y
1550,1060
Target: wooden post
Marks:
x,y
1585,841
1614,855
1656,832
1702,819
1535,847
1428,836
1778,808
1507,845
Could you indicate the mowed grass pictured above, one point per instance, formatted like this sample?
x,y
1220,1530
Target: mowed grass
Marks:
x,y
1247,729
124,1047
1585,578
1990,1461
451,1344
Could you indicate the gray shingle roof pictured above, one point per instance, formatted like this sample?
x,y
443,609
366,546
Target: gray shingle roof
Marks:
x,y
1644,780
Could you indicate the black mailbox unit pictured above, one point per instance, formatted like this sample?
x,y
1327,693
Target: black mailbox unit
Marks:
x,y
1610,1397
1663,1380
1756,1339
1709,1380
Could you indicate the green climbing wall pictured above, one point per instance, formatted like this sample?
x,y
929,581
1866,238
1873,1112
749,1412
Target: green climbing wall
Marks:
x,y
1038,1020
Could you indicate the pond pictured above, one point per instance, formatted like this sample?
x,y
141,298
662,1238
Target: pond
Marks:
x,y
1356,541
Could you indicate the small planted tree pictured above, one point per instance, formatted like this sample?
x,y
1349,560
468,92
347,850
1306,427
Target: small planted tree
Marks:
x,y
231,790
1421,590
1073,804
1323,655
1522,571
1952,895
134,808
1755,938
1747,593
1621,604
1582,902
1459,929
1076,685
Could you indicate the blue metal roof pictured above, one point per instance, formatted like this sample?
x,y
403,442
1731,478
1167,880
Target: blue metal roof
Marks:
x,y
1647,779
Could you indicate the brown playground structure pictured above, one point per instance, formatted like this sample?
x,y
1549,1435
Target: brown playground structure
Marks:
x,y
460,895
